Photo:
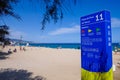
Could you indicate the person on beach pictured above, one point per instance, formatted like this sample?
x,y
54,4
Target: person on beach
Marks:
x,y
20,48
24,49
9,51
115,49
3,45
15,50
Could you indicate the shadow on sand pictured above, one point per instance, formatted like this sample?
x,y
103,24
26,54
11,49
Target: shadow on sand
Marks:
x,y
4,55
13,74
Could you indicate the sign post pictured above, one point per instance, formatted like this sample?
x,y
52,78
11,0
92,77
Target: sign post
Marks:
x,y
96,46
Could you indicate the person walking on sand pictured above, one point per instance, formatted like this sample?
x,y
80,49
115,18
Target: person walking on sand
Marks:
x,y
20,48
15,50
24,49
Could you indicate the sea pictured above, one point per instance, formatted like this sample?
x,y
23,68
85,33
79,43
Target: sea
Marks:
x,y
64,45
55,45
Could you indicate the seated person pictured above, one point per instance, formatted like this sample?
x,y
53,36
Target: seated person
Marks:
x,y
15,50
9,51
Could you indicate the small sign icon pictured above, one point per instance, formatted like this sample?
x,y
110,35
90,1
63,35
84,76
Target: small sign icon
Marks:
x,y
83,31
89,30
109,39
109,33
109,43
108,27
97,29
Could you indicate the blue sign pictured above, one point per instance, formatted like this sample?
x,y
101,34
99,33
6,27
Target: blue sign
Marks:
x,y
96,46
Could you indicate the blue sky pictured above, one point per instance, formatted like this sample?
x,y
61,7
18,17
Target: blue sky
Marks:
x,y
65,31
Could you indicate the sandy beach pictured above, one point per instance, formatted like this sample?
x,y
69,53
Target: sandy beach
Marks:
x,y
37,63
53,64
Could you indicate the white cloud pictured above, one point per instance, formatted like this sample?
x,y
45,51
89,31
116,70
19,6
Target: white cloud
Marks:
x,y
42,37
74,29
115,22
17,34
